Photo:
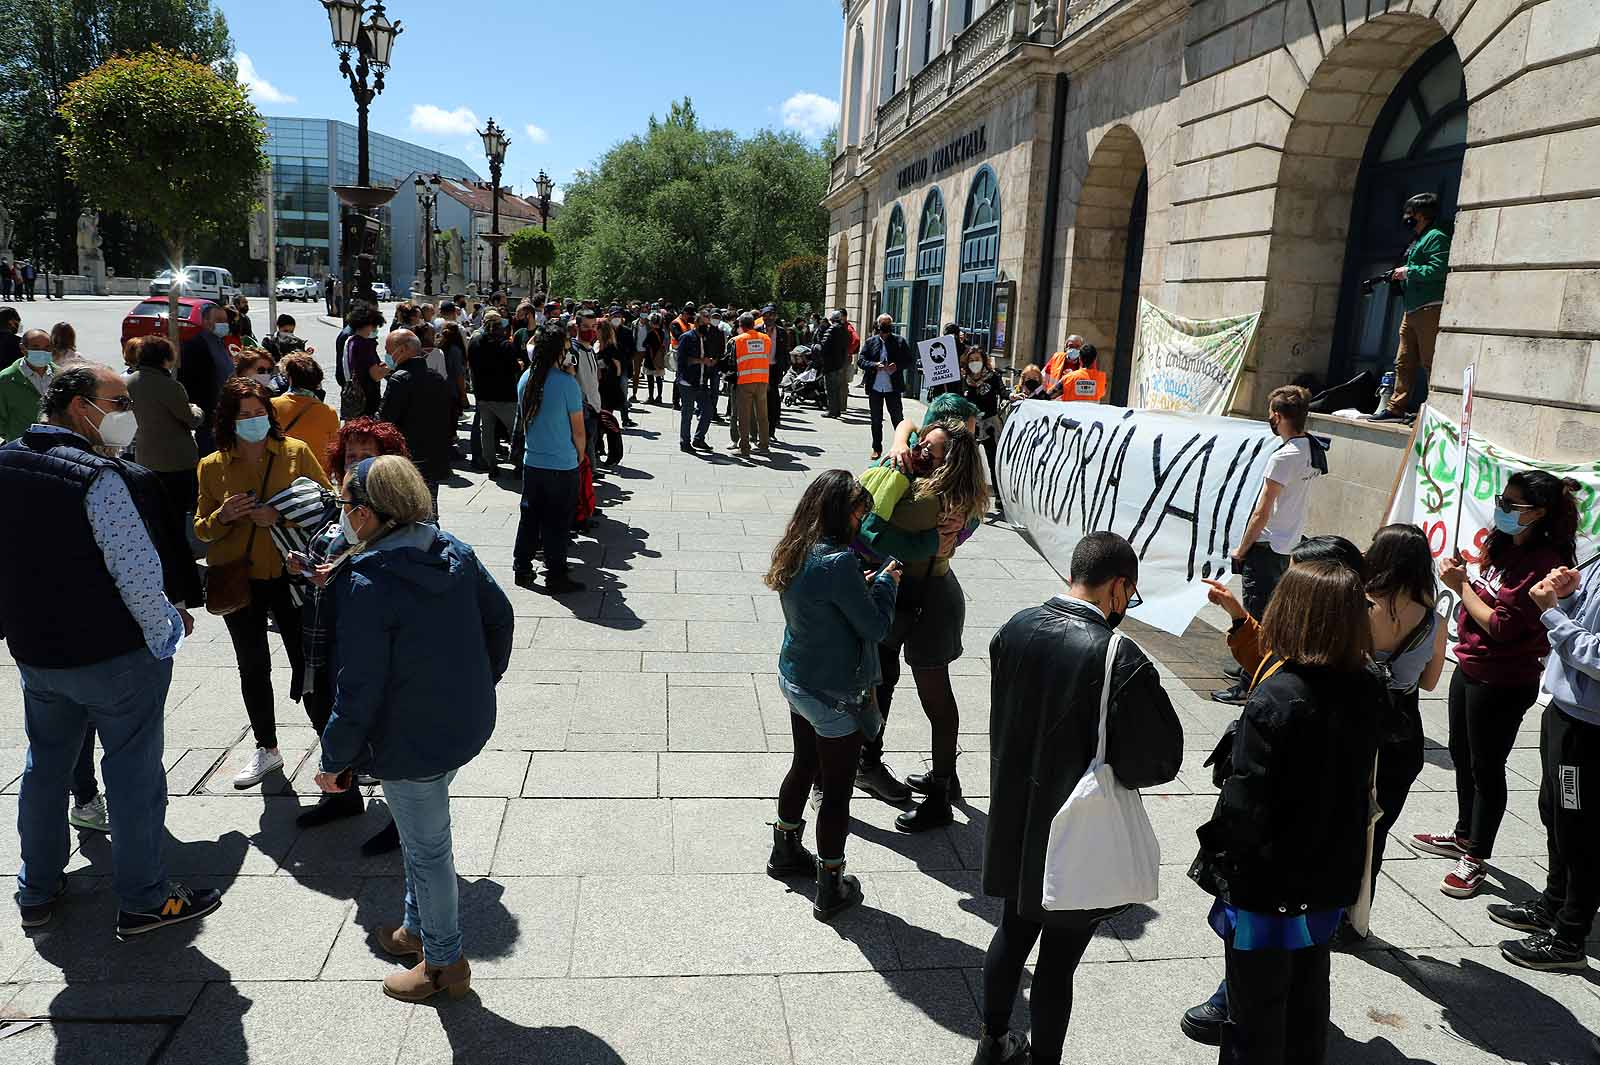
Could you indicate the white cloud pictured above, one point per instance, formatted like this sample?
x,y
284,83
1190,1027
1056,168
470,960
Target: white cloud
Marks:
x,y
261,90
426,118
537,134
809,114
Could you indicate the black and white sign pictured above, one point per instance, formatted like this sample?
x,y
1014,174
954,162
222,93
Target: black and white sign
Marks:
x,y
938,360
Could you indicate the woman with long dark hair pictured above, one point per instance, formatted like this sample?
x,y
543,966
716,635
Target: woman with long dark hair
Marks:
x,y
833,621
1500,652
550,414
613,401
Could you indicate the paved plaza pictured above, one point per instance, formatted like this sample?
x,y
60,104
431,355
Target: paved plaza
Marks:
x,y
611,840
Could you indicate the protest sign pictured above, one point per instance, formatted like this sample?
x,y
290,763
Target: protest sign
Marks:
x,y
1179,487
938,356
1184,364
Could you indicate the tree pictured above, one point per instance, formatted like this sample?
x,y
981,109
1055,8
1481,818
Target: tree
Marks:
x,y
168,142
803,279
530,250
45,45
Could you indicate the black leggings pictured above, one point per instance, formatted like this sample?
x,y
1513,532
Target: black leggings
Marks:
x,y
1484,719
248,629
1050,1003
1399,763
831,762
938,703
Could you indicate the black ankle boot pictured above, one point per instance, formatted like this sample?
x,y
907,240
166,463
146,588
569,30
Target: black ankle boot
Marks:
x,y
789,855
332,806
835,892
918,782
1007,1048
933,811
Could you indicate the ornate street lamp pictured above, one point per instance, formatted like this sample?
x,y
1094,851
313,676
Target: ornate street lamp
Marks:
x,y
427,200
373,44
544,187
495,143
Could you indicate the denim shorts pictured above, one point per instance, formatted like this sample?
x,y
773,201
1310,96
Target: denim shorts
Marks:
x,y
831,717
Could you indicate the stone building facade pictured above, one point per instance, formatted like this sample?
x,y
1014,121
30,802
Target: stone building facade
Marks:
x,y
1224,157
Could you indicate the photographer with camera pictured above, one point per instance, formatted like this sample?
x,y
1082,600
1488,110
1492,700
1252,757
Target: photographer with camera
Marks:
x,y
1421,281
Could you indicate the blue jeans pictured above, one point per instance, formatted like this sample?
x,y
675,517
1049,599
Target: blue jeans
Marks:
x,y
124,698
695,400
421,811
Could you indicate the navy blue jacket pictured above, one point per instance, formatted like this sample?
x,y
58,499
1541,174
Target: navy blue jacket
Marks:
x,y
876,351
422,634
834,621
693,345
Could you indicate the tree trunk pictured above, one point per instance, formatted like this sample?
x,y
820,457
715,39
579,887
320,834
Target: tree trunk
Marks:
x,y
175,258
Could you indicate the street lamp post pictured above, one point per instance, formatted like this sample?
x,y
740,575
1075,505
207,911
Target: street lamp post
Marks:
x,y
495,143
544,186
372,42
427,200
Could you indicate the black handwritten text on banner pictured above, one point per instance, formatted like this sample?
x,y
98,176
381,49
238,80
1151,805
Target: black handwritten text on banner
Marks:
x,y
1179,487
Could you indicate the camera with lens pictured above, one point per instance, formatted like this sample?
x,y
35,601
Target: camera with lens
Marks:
x,y
1370,285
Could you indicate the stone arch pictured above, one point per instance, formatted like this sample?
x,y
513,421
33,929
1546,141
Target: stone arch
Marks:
x,y
841,271
1313,197
854,106
1114,185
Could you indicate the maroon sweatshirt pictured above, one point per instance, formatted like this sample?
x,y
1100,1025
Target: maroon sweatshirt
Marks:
x,y
1512,648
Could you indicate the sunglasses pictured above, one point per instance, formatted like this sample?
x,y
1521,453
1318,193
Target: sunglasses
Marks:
x,y
1135,600
1504,503
117,402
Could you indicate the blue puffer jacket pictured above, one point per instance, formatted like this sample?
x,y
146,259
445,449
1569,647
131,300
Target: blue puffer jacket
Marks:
x,y
834,622
422,635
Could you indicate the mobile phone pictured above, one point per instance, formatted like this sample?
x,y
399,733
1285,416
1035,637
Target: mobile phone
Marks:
x,y
887,563
302,558
1235,566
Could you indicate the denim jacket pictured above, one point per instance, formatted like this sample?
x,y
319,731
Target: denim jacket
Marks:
x,y
834,621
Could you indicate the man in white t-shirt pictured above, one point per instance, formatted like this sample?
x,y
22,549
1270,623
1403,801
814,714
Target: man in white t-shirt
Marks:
x,y
1279,519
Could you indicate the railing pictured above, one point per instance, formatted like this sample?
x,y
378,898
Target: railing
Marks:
x,y
1082,12
844,167
977,47
892,115
929,88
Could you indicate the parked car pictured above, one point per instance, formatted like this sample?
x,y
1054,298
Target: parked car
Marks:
x,y
298,288
381,290
200,282
150,318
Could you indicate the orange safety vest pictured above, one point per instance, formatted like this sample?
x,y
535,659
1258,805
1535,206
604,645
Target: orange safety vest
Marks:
x,y
1087,385
1055,370
754,353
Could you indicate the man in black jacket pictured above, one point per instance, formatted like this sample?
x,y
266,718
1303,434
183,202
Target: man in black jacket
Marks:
x,y
835,347
1047,668
883,360
699,355
204,366
417,402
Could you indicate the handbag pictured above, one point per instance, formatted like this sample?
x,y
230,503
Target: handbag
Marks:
x,y
1102,852
228,584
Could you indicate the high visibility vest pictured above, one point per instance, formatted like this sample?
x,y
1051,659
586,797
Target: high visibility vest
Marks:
x,y
677,327
1056,369
754,353
1087,385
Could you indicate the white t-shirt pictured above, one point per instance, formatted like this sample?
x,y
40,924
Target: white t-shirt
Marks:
x,y
1289,466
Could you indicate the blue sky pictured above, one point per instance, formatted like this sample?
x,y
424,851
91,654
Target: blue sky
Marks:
x,y
566,81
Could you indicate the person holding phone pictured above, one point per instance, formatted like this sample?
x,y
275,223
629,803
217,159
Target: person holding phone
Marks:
x,y
827,669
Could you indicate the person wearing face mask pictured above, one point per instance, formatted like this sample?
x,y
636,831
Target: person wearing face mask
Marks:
x,y
166,421
1048,665
418,401
1499,654
699,351
883,360
587,369
627,348
284,342
253,462
204,365
1421,279
1086,384
259,366
300,410
24,383
982,386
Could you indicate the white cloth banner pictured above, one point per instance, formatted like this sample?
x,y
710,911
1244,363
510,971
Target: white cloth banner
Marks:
x,y
1179,487
938,356
1186,364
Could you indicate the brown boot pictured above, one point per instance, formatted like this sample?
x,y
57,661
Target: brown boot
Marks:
x,y
424,981
399,942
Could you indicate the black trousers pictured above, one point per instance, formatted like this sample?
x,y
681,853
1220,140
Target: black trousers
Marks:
x,y
832,764
1277,1007
1484,719
248,630
1050,1003
1400,760
876,401
318,702
1570,810
1263,569
774,402
549,502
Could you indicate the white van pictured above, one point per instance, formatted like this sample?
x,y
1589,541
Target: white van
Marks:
x,y
199,282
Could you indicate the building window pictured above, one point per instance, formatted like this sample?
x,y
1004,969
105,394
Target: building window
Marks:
x,y
927,31
896,289
980,257
891,49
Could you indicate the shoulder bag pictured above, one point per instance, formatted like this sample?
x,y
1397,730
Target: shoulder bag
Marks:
x,y
1102,852
228,584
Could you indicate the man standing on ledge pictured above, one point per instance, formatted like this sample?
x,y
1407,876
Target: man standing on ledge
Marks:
x,y
1422,291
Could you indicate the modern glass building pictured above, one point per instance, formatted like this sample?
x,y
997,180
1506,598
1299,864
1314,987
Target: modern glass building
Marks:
x,y
311,155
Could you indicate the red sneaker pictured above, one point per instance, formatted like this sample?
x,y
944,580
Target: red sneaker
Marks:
x,y
1465,879
1451,846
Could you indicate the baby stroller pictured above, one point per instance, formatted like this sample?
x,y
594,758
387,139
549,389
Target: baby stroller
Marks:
x,y
801,382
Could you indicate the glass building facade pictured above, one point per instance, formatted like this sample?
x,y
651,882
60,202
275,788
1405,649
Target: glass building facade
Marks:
x,y
311,155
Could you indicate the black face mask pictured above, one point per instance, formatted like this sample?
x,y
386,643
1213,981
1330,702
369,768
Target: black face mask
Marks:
x,y
1115,617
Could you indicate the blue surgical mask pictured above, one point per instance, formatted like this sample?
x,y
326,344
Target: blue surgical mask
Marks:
x,y
38,359
1508,522
388,360
253,430
220,328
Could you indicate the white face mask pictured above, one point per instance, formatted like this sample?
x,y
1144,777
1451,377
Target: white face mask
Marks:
x,y
118,428
974,367
348,530
263,379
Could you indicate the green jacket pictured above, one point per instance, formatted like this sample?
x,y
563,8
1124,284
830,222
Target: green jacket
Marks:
x,y
19,401
1427,263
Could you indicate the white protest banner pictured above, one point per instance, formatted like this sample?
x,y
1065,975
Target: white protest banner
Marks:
x,y
1431,490
1464,444
1179,487
1184,364
938,356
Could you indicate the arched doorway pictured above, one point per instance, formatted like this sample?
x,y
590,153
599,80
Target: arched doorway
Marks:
x,y
896,289
980,257
1416,145
1107,255
927,291
841,271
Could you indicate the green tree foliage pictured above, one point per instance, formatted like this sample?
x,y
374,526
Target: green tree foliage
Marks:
x,y
683,212
803,279
45,45
530,250
167,142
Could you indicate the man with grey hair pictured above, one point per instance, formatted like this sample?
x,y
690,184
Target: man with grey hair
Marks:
x,y
1060,364
417,400
883,360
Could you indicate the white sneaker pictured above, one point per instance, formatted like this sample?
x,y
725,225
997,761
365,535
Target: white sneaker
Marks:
x,y
91,816
261,763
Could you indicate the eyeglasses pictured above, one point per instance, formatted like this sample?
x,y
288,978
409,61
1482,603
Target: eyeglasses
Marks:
x,y
1505,503
117,402
1135,600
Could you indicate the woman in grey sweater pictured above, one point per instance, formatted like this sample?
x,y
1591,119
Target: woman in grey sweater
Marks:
x,y
166,418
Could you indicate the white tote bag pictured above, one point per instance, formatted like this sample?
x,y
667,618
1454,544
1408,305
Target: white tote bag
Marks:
x,y
1102,851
